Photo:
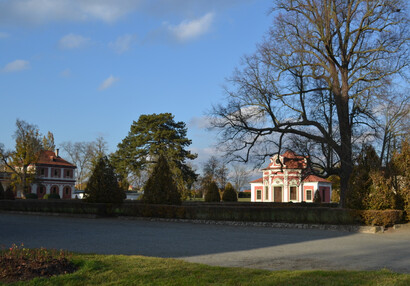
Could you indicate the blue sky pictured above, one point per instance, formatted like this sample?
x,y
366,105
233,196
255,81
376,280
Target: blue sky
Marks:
x,y
83,69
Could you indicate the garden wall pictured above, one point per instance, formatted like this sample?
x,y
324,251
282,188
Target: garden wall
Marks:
x,y
286,213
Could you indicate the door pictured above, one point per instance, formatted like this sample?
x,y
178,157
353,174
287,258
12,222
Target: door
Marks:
x,y
278,194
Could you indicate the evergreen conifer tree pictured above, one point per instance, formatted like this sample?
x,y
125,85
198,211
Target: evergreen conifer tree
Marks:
x,y
212,193
103,187
317,198
161,187
229,194
1,192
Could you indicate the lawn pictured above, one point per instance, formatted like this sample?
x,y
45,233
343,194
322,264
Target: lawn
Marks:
x,y
139,270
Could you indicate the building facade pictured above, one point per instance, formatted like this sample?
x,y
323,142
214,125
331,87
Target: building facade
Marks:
x,y
53,175
286,179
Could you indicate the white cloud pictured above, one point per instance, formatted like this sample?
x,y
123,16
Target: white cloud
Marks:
x,y
3,35
203,122
122,44
108,82
17,65
188,30
44,11
73,41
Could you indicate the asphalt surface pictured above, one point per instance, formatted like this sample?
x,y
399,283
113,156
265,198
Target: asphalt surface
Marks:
x,y
254,247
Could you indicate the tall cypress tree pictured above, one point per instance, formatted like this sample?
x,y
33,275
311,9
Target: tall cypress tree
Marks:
x,y
212,193
103,187
160,187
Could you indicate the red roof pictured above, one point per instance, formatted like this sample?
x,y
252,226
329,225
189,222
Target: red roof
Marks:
x,y
49,158
290,161
314,178
247,191
260,180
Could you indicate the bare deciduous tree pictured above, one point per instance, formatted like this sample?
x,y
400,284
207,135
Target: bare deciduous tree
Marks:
x,y
348,50
240,176
81,155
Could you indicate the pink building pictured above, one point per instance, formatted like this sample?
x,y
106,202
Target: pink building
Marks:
x,y
54,175
286,179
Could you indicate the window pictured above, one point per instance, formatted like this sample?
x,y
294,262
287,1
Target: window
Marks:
x,y
308,195
68,174
258,194
42,171
55,173
54,190
293,194
266,193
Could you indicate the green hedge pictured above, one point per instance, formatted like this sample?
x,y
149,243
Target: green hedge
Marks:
x,y
227,212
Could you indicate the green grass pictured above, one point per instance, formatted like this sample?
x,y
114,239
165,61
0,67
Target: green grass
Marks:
x,y
139,270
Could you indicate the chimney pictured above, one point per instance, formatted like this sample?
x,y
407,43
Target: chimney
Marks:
x,y
57,152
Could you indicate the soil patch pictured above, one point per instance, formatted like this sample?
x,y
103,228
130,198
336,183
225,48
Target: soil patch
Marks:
x,y
22,269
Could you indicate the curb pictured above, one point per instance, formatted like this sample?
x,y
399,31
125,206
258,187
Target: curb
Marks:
x,y
346,228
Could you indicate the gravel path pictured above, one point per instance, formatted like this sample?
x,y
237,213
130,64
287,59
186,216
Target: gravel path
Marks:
x,y
254,247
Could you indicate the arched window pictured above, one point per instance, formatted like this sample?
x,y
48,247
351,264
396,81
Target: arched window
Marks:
x,y
54,190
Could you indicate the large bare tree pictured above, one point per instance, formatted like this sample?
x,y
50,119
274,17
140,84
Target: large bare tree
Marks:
x,y
316,76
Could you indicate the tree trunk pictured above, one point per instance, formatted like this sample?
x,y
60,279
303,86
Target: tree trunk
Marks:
x,y
345,150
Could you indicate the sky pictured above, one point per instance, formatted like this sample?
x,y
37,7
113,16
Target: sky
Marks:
x,y
88,68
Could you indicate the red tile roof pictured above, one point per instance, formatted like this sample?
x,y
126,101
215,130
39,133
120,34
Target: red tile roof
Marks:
x,y
260,180
49,158
314,178
290,161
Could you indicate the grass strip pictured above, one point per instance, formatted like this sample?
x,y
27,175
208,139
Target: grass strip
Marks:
x,y
140,270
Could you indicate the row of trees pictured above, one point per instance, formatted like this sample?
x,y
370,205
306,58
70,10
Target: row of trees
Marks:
x,y
150,138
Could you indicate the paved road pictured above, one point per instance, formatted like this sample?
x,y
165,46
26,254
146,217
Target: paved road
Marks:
x,y
255,247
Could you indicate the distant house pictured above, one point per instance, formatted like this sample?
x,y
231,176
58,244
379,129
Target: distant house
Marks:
x,y
287,179
53,175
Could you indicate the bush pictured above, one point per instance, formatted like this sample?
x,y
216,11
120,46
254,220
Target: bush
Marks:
x,y
31,196
103,187
51,196
381,217
229,194
317,198
160,187
212,193
9,193
1,192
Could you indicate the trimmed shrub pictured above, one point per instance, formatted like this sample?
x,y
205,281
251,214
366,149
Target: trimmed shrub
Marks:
x,y
212,193
1,192
381,217
31,196
317,198
9,193
103,187
51,196
229,194
160,187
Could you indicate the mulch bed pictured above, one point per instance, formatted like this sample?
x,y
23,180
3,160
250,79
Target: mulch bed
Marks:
x,y
13,270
